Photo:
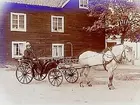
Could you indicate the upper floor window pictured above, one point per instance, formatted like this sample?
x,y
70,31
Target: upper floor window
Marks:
x,y
57,24
83,4
18,49
18,22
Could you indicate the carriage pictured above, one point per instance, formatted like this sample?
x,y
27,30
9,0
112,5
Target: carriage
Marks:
x,y
54,68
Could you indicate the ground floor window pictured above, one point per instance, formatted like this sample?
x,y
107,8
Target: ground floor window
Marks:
x,y
18,48
57,50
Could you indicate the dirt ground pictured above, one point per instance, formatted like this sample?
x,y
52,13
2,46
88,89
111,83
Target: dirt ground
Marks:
x,y
126,82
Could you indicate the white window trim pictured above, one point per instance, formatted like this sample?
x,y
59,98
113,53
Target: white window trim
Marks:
x,y
15,42
25,22
62,31
81,6
62,49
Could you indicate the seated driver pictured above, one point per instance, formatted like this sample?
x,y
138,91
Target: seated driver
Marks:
x,y
29,55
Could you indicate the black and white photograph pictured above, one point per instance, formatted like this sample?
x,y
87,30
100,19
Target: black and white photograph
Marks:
x,y
69,52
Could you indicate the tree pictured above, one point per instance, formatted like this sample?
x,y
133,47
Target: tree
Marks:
x,y
115,17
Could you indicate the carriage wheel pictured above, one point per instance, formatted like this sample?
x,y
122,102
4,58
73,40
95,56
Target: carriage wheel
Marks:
x,y
24,73
38,75
71,75
55,77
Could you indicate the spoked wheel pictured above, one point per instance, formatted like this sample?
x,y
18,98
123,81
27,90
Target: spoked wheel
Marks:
x,y
24,73
71,75
55,77
38,75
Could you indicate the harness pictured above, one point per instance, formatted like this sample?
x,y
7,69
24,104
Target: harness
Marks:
x,y
113,57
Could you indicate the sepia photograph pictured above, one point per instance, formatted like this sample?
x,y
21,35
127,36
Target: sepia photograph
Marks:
x,y
69,52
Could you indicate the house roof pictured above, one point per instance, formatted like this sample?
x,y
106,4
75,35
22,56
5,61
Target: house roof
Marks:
x,y
49,3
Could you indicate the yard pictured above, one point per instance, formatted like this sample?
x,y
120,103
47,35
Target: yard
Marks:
x,y
127,91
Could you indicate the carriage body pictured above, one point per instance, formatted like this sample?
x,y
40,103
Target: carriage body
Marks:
x,y
54,68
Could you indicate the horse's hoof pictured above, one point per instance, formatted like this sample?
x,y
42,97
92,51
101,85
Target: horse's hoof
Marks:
x,y
111,88
81,85
89,84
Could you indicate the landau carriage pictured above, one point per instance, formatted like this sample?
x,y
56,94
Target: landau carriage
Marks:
x,y
56,68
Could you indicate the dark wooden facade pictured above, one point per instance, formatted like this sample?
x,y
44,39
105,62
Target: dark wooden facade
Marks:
x,y
40,36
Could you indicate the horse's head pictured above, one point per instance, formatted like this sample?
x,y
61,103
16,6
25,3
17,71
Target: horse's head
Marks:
x,y
127,53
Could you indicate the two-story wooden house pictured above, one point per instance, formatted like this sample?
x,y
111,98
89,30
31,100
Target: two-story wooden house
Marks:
x,y
53,27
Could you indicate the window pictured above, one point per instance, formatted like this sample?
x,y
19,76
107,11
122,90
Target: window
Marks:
x,y
57,50
57,24
18,22
83,4
18,49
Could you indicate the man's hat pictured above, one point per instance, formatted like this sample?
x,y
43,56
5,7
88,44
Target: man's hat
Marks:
x,y
28,44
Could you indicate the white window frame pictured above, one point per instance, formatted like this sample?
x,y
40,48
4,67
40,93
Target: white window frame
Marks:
x,y
82,6
52,30
25,22
17,42
62,49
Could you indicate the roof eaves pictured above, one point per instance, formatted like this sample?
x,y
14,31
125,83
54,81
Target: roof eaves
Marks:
x,y
49,3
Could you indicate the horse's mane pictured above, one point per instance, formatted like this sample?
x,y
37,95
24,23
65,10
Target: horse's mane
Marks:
x,y
110,48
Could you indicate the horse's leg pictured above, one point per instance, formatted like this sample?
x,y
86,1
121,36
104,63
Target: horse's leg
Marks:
x,y
110,84
82,77
110,68
87,77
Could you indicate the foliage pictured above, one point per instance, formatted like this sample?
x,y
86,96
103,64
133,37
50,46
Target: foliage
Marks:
x,y
116,17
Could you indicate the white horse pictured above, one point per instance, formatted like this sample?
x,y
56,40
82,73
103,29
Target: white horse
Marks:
x,y
108,58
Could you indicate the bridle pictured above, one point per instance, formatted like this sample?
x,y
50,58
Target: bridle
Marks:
x,y
124,53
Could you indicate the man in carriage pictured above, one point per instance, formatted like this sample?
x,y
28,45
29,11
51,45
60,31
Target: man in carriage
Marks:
x,y
30,56
28,52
